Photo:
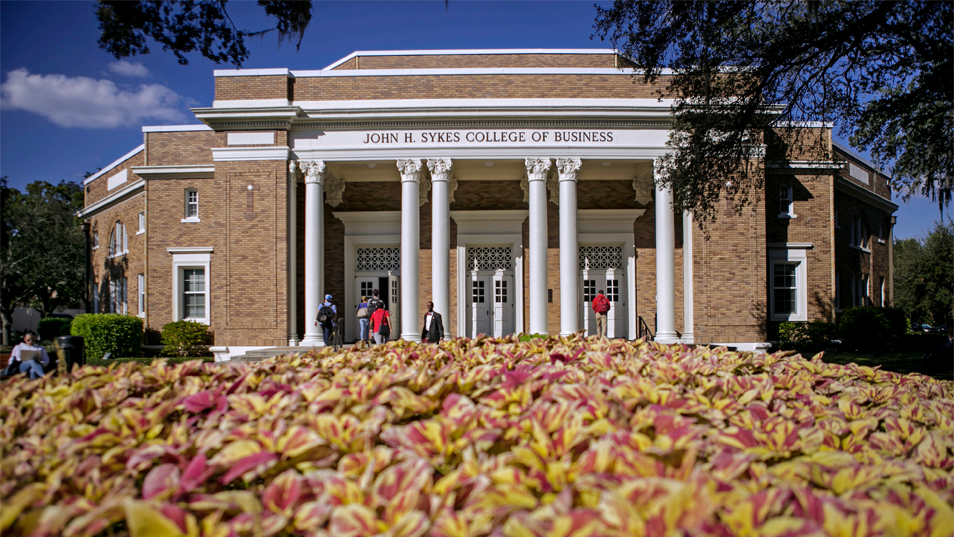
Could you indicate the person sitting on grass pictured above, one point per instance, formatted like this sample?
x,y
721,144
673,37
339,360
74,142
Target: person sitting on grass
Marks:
x,y
19,365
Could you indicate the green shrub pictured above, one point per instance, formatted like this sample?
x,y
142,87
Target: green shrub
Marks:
x,y
143,360
186,338
872,329
118,334
811,336
52,327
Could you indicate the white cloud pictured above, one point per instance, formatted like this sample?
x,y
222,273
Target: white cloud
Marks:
x,y
87,102
127,68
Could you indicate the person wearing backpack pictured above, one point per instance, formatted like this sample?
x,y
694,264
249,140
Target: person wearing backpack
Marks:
x,y
364,320
327,316
601,305
375,303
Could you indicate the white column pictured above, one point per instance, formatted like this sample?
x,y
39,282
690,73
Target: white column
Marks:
x,y
687,309
665,263
569,247
314,256
537,170
410,248
440,235
292,253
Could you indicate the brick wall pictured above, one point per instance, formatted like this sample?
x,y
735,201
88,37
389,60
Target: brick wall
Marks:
x,y
471,87
98,188
185,148
106,268
850,259
230,88
247,231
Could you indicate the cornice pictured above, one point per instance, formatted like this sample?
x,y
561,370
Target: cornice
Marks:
x,y
352,218
802,166
190,250
855,191
397,123
228,154
264,118
174,172
115,163
112,199
515,216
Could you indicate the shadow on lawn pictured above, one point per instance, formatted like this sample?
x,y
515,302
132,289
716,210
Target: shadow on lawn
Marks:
x,y
941,368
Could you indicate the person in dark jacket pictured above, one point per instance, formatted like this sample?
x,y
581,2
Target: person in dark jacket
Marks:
x,y
433,326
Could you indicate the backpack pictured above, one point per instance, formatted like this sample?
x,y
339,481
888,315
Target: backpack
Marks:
x,y
601,304
325,314
374,304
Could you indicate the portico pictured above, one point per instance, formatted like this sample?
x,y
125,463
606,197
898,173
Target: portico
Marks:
x,y
518,290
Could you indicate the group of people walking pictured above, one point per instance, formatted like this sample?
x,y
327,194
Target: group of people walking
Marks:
x,y
374,321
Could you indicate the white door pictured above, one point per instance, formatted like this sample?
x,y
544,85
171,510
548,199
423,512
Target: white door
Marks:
x,y
611,282
503,303
394,308
479,306
588,316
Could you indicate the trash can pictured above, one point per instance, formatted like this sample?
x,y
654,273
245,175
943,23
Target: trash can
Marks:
x,y
73,350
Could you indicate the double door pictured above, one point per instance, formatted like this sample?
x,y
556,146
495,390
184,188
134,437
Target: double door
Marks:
x,y
490,304
390,290
612,282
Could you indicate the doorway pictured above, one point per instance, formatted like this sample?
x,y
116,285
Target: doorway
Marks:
x,y
601,270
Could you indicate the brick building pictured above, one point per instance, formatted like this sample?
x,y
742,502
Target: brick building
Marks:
x,y
508,186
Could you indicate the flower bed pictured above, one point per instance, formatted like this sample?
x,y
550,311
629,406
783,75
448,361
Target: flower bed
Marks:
x,y
488,437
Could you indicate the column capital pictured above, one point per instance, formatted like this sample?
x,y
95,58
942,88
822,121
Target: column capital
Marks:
x,y
410,170
567,168
314,170
293,171
440,169
538,168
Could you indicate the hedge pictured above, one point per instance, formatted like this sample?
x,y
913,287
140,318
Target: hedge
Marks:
x,y
186,338
118,334
872,329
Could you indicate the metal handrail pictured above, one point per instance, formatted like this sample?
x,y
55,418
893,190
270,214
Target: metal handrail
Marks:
x,y
643,328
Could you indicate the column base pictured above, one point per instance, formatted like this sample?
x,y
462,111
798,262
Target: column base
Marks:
x,y
666,338
416,338
293,340
312,340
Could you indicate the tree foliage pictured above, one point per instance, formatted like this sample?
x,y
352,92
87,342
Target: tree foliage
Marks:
x,y
924,276
42,248
186,26
881,70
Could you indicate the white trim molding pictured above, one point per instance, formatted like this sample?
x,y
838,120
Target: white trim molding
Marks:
x,y
185,258
471,52
175,172
176,128
799,259
113,199
115,163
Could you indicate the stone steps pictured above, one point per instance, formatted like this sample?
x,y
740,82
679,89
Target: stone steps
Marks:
x,y
261,354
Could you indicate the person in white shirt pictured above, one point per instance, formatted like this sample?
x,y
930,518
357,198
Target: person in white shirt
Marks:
x,y
17,365
433,326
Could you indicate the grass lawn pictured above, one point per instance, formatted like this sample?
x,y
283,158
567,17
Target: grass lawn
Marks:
x,y
898,362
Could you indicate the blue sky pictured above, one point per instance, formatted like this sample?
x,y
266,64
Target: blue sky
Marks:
x,y
68,107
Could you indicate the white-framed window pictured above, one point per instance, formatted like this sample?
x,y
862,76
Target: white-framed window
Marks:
x,y
95,293
142,223
865,294
117,295
788,300
141,287
191,278
882,291
191,205
118,241
786,202
95,240
881,234
859,234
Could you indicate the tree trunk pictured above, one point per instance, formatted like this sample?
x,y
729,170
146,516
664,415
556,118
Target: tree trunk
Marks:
x,y
6,321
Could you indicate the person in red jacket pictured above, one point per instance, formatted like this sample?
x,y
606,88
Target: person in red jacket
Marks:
x,y
380,325
601,305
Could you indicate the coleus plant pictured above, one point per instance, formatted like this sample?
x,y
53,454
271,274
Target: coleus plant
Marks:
x,y
547,437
